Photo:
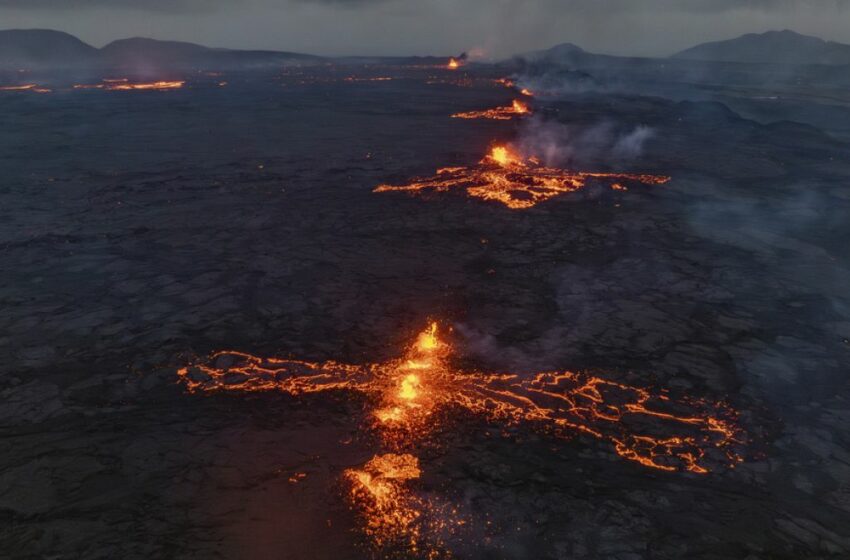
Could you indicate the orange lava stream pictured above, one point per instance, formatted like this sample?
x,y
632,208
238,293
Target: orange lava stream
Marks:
x,y
26,87
503,176
651,429
123,84
516,109
406,393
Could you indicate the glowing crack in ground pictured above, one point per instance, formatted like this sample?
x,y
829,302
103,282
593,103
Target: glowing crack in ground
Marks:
x,y
646,427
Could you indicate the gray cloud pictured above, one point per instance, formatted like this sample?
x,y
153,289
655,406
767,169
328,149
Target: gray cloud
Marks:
x,y
569,6
138,5
497,27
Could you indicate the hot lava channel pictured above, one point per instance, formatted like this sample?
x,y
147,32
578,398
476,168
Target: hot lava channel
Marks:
x,y
649,428
519,183
516,109
413,395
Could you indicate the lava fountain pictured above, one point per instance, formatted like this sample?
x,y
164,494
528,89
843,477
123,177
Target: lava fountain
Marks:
x,y
413,395
518,183
408,391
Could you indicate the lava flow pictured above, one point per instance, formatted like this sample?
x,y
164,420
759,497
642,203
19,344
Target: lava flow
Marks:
x,y
651,429
412,395
515,109
123,84
394,517
453,64
26,87
503,176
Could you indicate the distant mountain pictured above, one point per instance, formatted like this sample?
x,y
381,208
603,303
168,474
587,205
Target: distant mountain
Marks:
x,y
779,47
42,47
146,53
54,49
559,54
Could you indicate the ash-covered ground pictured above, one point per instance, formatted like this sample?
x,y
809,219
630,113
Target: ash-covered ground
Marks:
x,y
140,230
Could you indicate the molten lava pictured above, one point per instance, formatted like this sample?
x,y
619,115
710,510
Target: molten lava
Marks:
x,y
504,176
651,429
453,64
123,84
379,488
516,109
35,88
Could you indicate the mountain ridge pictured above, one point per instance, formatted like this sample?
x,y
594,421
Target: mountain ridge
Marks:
x,y
770,47
48,48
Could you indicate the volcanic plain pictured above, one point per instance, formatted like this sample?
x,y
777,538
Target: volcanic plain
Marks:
x,y
141,231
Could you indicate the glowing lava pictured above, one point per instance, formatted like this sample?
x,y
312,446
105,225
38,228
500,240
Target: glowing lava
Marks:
x,y
651,429
23,87
123,84
516,109
453,64
504,176
26,87
670,435
379,488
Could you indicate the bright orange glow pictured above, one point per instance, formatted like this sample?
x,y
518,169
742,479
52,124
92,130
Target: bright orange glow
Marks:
x,y
504,177
515,109
123,84
427,339
561,403
650,429
394,516
527,92
454,64
25,87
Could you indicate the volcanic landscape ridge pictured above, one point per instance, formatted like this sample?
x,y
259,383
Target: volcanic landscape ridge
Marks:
x,y
563,305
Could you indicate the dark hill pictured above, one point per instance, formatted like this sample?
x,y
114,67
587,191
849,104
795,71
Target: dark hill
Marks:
x,y
54,49
43,47
778,47
151,53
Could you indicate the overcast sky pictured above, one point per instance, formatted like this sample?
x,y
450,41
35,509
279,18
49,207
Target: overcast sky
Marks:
x,y
496,27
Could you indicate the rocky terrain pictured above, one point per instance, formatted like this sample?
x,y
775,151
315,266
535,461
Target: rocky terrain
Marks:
x,y
139,230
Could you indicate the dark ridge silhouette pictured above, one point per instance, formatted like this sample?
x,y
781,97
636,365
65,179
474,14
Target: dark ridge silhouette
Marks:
x,y
54,49
777,47
43,47
140,52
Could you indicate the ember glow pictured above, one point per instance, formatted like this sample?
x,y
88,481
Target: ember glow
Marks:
x,y
649,428
24,87
123,84
504,176
35,88
453,64
515,109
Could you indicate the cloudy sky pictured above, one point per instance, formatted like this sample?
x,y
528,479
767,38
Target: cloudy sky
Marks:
x,y
496,27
